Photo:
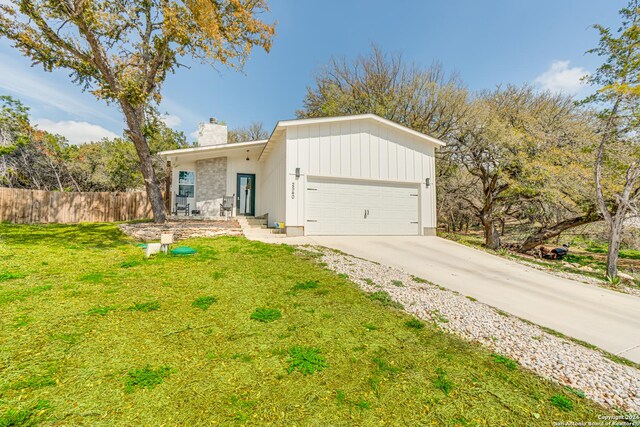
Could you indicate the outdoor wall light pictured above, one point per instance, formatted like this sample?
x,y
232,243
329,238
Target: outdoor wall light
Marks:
x,y
297,172
247,155
427,182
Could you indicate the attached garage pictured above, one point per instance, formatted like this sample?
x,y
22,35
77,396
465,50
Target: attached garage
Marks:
x,y
360,207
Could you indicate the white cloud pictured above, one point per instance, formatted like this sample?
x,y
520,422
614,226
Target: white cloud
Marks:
x,y
171,120
560,78
28,82
75,132
173,108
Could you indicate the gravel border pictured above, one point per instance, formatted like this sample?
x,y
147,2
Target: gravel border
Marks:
x,y
606,382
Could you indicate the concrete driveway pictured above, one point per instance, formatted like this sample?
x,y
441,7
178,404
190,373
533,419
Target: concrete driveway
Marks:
x,y
607,319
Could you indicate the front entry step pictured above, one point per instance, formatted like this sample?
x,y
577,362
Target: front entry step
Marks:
x,y
257,227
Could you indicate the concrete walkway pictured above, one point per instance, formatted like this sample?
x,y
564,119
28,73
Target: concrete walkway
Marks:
x,y
607,319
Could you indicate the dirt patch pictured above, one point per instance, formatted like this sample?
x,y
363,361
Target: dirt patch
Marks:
x,y
148,231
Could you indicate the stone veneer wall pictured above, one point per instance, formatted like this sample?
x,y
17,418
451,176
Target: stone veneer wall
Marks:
x,y
211,185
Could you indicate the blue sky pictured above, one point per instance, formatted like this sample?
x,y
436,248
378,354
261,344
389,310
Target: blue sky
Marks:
x,y
486,42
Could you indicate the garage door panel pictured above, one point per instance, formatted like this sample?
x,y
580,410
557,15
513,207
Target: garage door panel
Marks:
x,y
337,207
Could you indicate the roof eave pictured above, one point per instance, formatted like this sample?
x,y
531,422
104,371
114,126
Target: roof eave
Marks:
x,y
283,124
211,148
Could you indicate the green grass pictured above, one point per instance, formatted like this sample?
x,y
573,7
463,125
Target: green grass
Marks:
x,y
502,360
145,307
226,368
266,315
309,284
7,275
414,323
442,382
561,402
624,253
578,393
384,299
306,360
146,378
30,416
101,311
203,303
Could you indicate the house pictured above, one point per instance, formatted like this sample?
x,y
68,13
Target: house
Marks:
x,y
349,175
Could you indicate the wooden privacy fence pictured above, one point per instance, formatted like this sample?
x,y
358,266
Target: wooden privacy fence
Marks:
x,y
38,206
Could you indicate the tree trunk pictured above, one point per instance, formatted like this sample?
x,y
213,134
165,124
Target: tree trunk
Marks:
x,y
615,237
555,230
612,259
135,121
491,235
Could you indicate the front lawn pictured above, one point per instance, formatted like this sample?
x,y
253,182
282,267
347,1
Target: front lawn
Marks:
x,y
240,333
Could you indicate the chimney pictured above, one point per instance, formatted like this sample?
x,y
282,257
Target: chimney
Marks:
x,y
212,133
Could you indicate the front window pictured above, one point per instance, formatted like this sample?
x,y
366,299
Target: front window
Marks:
x,y
186,183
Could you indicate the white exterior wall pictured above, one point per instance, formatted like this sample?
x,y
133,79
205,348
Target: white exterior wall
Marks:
x,y
272,185
357,149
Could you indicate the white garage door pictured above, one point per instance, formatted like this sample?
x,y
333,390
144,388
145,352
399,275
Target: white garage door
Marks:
x,y
341,207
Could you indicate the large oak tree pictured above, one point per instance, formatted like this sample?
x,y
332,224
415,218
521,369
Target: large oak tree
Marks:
x,y
122,50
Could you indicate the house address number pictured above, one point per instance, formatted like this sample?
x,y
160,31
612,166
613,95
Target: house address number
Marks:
x,y
293,190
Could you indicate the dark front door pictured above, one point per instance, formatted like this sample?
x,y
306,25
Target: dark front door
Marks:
x,y
246,195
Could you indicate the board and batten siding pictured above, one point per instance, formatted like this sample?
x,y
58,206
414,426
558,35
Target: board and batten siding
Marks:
x,y
272,184
357,149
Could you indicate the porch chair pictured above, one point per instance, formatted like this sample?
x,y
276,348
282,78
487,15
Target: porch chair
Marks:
x,y
182,204
227,205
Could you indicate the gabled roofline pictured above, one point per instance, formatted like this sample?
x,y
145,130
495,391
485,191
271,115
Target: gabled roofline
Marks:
x,y
212,148
283,124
